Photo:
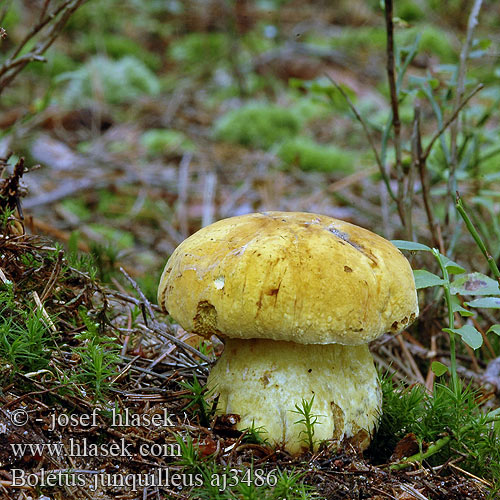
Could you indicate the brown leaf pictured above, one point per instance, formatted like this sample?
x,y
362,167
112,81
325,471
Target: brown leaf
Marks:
x,y
206,446
406,447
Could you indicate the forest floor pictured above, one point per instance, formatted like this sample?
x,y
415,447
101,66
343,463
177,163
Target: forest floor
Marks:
x,y
112,184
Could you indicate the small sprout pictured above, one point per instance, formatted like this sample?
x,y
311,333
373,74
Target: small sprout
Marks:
x,y
190,455
309,420
290,485
254,434
198,396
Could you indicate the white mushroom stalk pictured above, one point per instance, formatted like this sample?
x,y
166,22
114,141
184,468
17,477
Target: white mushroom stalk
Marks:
x,y
263,380
297,298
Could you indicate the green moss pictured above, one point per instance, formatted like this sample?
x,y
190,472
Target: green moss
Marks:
x,y
255,40
310,108
257,125
106,15
114,81
111,202
373,38
200,49
353,39
491,164
77,207
309,155
117,46
57,63
116,237
409,10
24,337
160,141
434,41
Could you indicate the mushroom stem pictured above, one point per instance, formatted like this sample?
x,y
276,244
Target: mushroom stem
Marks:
x,y
262,380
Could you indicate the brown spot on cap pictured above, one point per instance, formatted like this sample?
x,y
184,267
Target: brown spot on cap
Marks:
x,y
265,379
205,320
347,269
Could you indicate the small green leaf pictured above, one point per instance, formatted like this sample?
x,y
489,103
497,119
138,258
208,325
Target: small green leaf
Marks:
x,y
494,329
484,44
438,368
410,245
469,335
456,306
475,284
486,302
453,267
424,279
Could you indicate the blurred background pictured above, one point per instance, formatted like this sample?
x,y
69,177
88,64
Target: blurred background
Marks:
x,y
150,119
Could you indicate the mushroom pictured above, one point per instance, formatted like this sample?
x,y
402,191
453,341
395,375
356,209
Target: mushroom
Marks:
x,y
296,297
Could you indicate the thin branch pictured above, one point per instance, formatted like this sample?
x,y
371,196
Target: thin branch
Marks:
x,y
178,342
420,164
144,299
15,63
381,167
45,7
450,120
127,298
396,123
464,53
23,60
53,277
35,30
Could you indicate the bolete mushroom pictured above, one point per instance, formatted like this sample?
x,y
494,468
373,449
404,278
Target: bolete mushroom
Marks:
x,y
296,297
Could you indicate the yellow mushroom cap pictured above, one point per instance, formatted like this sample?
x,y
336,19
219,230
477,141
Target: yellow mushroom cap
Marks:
x,y
291,276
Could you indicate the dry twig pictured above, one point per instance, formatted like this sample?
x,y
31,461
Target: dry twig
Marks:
x,y
420,164
396,123
54,22
381,166
471,26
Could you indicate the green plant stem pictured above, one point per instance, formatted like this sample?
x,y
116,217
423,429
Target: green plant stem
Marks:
x,y
432,450
309,421
451,320
477,238
435,447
